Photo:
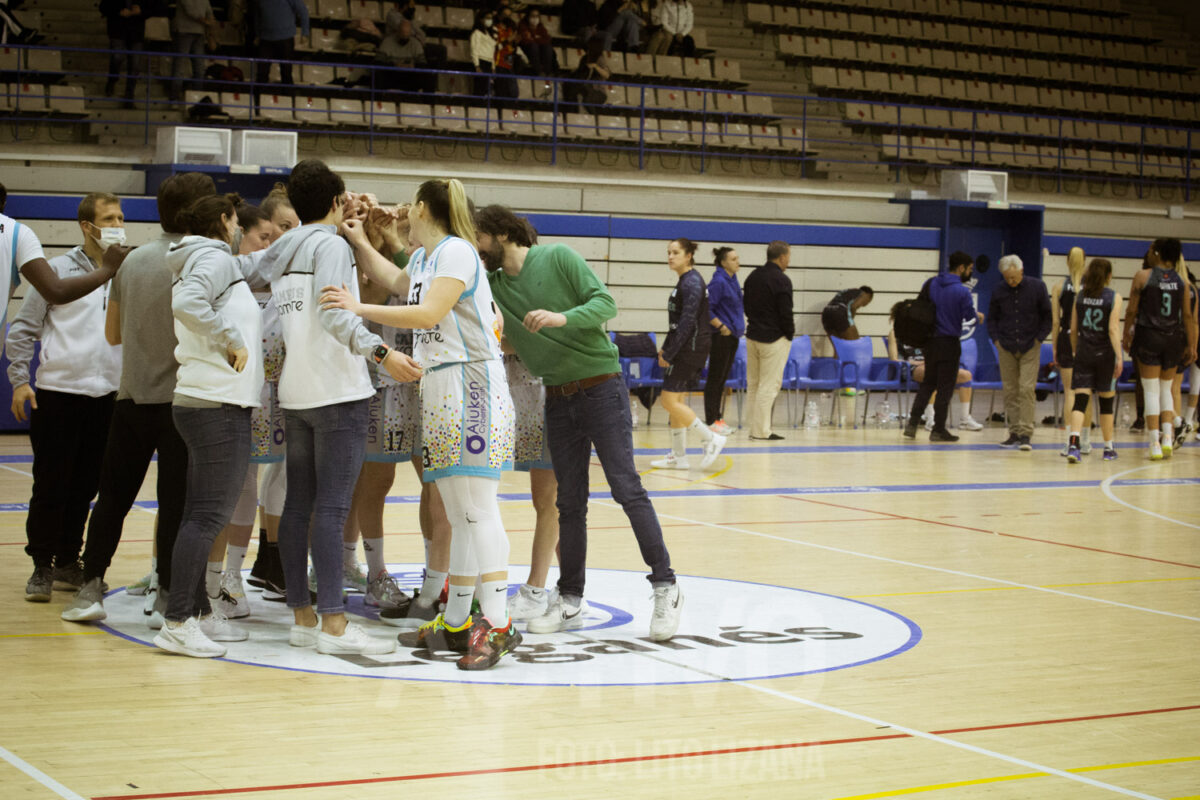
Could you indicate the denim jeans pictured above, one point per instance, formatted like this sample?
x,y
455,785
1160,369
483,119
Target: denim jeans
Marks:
x,y
187,44
325,451
218,443
598,417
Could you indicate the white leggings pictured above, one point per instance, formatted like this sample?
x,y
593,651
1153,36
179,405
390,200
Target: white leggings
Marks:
x,y
478,541
274,487
247,504
1194,378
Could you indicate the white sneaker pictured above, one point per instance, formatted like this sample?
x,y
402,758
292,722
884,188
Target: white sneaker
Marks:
x,y
354,577
927,417
217,627
668,602
671,462
353,640
231,599
151,594
187,639
138,589
88,603
721,427
1156,451
304,636
559,616
712,449
158,614
524,606
968,423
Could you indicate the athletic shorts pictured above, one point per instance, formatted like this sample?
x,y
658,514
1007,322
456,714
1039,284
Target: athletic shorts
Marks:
x,y
1066,358
1094,370
394,423
467,421
1155,349
683,373
835,320
532,448
266,428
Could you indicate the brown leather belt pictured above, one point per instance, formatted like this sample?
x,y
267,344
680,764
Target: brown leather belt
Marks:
x,y
570,388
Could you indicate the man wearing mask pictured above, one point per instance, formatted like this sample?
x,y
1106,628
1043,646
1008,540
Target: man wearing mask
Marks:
x,y
952,303
71,409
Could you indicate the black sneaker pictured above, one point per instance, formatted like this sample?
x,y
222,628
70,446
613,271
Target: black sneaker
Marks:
x,y
1012,441
774,437
413,614
40,585
258,572
942,436
1139,424
1025,445
69,578
910,431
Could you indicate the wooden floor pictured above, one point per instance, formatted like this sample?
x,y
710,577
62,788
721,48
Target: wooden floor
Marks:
x,y
866,618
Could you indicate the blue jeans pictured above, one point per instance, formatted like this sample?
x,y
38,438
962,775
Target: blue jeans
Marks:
x,y
628,27
325,451
218,443
598,417
187,44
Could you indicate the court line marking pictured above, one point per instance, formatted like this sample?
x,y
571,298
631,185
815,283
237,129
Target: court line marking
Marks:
x,y
38,775
18,471
35,635
1106,487
893,515
1013,588
933,787
921,566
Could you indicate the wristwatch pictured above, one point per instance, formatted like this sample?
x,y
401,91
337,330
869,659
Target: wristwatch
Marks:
x,y
380,353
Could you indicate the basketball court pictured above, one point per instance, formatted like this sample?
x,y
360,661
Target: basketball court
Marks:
x,y
864,617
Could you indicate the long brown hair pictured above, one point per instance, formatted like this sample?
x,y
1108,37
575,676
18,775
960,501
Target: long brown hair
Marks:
x,y
1096,276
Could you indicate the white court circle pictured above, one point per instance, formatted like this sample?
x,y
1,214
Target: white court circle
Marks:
x,y
729,630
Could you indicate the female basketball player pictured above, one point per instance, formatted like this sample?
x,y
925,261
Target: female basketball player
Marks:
x,y
1062,302
1095,341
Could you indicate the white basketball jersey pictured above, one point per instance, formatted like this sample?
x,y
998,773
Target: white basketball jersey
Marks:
x,y
468,332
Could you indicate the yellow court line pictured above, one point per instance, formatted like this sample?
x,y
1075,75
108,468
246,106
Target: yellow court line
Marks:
x,y
29,635
1016,588
981,781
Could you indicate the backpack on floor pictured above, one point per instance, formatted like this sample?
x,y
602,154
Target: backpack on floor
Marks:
x,y
915,319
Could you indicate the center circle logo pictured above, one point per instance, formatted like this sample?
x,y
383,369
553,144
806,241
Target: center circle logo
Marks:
x,y
728,630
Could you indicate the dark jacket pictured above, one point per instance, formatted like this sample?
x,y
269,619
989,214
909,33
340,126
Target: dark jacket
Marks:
x,y
951,302
690,334
577,15
1019,318
131,28
768,299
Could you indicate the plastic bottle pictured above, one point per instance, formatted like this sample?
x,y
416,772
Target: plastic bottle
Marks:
x,y
883,416
633,411
812,416
1126,416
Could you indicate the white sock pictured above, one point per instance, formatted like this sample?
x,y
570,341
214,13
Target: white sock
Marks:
x,y
1191,415
1167,431
965,410
154,570
493,602
234,556
679,442
431,587
701,429
458,605
1154,436
1178,421
350,554
1109,445
374,550
1086,435
536,592
212,578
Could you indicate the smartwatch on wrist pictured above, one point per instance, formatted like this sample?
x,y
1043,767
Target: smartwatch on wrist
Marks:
x,y
380,353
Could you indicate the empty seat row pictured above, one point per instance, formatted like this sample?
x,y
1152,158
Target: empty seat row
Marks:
x,y
13,59
1040,69
847,80
37,98
992,122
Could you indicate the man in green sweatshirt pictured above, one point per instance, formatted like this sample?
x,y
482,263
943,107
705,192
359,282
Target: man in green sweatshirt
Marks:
x,y
554,310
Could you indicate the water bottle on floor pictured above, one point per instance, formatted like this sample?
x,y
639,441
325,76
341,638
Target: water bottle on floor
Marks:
x,y
812,416
883,416
633,412
1126,416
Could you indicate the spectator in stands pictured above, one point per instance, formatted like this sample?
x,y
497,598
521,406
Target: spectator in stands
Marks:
x,y
483,52
276,22
406,9
837,318
193,18
507,54
11,29
579,19
592,67
1018,319
401,49
675,18
619,20
126,22
729,323
536,43
769,332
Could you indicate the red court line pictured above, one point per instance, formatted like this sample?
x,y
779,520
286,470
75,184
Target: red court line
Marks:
x,y
990,533
626,759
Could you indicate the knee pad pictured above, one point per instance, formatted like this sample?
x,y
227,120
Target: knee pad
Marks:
x,y
1194,380
1153,396
1168,398
1081,402
1107,404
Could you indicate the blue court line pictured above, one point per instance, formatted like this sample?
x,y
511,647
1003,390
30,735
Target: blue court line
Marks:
x,y
895,488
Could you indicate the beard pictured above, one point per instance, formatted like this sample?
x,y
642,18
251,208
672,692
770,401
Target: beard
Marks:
x,y
493,257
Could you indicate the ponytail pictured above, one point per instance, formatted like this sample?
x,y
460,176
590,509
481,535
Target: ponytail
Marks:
x,y
719,254
462,223
203,217
1075,259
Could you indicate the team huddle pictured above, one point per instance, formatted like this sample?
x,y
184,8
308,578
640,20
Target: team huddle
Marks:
x,y
330,338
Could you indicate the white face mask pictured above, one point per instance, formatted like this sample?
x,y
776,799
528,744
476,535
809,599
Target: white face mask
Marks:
x,y
109,236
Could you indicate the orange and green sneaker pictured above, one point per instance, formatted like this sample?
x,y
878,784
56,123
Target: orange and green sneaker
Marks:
x,y
437,635
489,644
